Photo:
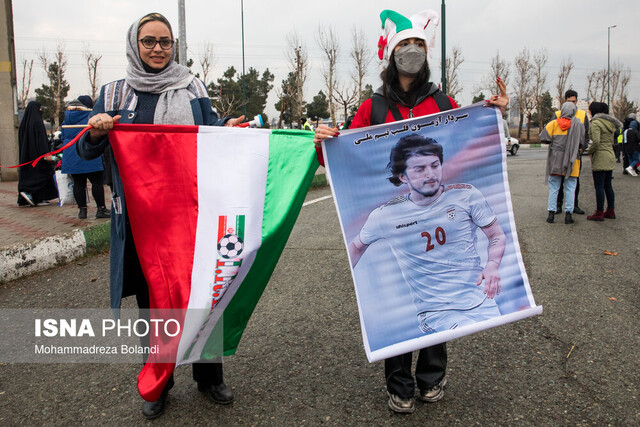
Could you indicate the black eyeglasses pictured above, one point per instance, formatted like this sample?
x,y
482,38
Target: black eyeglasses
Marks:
x,y
150,43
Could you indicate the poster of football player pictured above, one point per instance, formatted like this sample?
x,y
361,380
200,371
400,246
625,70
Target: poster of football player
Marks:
x,y
426,215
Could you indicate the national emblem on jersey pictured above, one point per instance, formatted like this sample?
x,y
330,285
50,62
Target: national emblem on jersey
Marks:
x,y
451,214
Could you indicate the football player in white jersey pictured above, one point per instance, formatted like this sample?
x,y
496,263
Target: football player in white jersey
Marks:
x,y
432,233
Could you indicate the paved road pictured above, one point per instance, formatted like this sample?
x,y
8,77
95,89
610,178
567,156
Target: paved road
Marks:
x,y
301,361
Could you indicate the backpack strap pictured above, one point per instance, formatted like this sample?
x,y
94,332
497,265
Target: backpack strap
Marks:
x,y
442,101
379,109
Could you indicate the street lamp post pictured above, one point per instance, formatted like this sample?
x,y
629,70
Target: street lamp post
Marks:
x,y
444,50
182,30
244,90
609,63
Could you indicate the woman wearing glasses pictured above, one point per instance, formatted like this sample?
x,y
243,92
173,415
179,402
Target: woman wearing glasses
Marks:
x,y
156,90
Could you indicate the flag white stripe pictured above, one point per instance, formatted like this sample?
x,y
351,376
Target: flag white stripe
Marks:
x,y
231,181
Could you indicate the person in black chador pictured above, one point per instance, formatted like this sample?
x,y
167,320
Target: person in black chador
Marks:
x,y
35,184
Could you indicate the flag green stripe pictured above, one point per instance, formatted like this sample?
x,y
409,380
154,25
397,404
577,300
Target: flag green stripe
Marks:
x,y
240,226
292,165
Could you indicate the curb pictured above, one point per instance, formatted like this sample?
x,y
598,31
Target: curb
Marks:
x,y
22,260
42,254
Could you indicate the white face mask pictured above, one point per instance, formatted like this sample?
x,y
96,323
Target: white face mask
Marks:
x,y
409,59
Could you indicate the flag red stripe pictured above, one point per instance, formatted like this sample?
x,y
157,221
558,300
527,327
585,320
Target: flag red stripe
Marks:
x,y
222,227
158,166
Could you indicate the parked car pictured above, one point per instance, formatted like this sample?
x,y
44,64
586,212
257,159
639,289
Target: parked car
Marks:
x,y
513,145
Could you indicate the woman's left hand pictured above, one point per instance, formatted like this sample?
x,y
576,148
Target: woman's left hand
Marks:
x,y
501,100
234,122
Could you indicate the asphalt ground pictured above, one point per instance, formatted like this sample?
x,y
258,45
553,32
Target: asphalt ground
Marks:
x,y
301,360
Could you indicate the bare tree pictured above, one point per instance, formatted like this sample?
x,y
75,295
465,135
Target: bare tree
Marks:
x,y
345,96
60,59
452,64
614,82
299,63
563,78
523,78
207,61
92,61
602,75
539,81
529,106
328,42
499,68
597,85
591,81
27,69
620,78
362,57
226,105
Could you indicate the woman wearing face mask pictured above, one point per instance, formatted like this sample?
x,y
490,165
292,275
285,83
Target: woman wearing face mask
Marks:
x,y
155,90
407,92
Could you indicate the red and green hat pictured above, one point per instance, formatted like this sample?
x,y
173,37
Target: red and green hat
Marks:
x,y
396,27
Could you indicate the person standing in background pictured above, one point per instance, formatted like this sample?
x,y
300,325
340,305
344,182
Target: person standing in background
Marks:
x,y
80,170
35,184
572,96
566,138
603,160
632,147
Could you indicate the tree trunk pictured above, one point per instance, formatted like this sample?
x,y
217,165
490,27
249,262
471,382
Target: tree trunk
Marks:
x,y
520,121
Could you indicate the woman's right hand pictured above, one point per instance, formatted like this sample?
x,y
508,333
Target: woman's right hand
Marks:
x,y
101,125
324,132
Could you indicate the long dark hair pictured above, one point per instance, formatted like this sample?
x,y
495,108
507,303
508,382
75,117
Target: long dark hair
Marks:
x,y
598,108
391,82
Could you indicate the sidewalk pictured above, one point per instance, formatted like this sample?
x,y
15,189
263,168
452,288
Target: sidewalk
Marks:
x,y
36,238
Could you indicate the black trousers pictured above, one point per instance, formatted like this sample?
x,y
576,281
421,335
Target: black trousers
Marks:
x,y
430,369
602,183
80,188
207,374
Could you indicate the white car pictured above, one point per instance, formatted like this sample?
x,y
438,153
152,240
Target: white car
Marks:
x,y
512,145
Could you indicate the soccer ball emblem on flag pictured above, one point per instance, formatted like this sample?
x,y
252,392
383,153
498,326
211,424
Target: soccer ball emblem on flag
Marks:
x,y
230,246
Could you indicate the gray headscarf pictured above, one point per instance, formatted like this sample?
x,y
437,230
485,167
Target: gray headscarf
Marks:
x,y
173,105
575,135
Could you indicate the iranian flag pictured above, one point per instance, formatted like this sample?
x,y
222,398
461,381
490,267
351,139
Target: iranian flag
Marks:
x,y
211,209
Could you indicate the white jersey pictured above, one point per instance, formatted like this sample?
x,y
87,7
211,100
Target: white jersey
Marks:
x,y
435,245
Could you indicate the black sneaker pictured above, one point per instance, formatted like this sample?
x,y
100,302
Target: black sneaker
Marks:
x,y
28,198
152,410
220,394
577,210
82,213
568,219
103,213
550,217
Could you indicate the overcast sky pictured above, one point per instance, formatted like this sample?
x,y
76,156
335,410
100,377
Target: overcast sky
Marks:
x,y
480,28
